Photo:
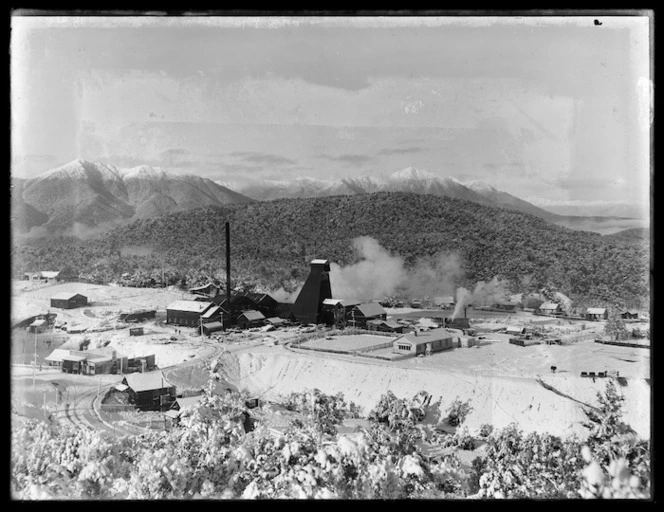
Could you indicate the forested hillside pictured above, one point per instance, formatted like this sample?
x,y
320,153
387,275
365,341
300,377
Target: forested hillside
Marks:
x,y
272,243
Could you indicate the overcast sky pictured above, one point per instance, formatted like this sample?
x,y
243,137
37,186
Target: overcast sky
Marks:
x,y
549,109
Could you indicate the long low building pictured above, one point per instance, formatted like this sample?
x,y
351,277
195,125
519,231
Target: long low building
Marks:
x,y
68,300
416,343
186,312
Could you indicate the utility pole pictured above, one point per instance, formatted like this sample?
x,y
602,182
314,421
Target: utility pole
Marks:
x,y
34,362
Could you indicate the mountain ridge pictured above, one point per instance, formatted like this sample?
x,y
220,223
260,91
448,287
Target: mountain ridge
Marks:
x,y
91,194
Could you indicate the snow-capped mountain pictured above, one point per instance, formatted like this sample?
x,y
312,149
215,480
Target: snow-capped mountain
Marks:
x,y
93,194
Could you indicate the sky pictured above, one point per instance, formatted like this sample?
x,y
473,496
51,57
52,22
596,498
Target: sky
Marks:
x,y
555,110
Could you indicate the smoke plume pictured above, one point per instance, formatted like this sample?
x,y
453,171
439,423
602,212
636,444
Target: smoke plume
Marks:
x,y
380,273
484,294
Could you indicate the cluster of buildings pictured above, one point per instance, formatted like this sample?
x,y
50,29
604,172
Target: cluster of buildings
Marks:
x,y
98,362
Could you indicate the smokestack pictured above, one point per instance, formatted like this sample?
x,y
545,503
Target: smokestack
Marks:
x,y
228,265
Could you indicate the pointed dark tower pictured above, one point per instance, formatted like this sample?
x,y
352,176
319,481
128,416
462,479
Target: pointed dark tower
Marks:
x,y
316,289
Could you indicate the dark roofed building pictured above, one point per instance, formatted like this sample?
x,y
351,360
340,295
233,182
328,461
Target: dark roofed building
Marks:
x,y
630,314
249,319
150,391
68,300
384,326
358,315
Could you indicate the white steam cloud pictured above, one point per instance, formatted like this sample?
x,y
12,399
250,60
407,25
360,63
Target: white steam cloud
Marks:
x,y
484,294
380,273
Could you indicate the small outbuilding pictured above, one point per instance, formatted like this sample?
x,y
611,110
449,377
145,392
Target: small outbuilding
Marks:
x,y
250,319
68,300
428,342
444,302
39,325
136,331
597,314
550,308
211,327
149,391
467,341
384,326
630,314
275,321
516,331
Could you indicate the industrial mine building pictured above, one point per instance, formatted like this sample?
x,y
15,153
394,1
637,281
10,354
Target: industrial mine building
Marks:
x,y
308,306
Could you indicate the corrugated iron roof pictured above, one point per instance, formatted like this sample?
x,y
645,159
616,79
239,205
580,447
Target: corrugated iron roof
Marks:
x,y
147,381
371,309
100,359
549,305
190,306
65,295
596,311
425,337
390,323
320,262
74,357
252,315
57,355
213,326
211,312
275,320
49,274
188,402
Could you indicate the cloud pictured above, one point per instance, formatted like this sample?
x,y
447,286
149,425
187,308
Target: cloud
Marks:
x,y
352,159
256,157
401,151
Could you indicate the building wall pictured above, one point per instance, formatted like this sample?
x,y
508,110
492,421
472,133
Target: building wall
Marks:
x,y
188,318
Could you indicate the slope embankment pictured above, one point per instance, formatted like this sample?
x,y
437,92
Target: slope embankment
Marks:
x,y
548,403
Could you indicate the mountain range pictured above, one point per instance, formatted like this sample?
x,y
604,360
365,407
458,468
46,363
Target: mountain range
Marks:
x,y
84,195
93,194
421,181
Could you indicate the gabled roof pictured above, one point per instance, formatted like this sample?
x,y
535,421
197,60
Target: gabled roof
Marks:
x,y
57,355
214,310
213,326
252,315
38,322
320,262
48,274
275,320
596,311
188,402
390,323
371,309
344,302
549,305
65,295
74,357
191,306
146,381
425,337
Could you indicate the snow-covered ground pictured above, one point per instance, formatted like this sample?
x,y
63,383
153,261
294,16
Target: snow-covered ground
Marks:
x,y
503,382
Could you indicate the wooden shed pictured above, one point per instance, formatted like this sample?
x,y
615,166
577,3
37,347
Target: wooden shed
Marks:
x,y
384,326
211,327
550,308
149,391
249,319
360,314
68,300
630,314
597,314
415,343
